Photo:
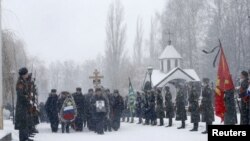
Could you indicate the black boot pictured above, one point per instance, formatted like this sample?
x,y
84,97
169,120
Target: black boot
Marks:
x,y
161,122
170,122
132,120
182,125
127,119
195,127
140,120
146,122
67,128
205,132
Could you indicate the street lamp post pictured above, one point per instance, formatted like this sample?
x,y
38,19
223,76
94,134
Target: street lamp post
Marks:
x,y
150,71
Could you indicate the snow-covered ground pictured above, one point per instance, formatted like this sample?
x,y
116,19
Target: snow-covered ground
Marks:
x,y
128,132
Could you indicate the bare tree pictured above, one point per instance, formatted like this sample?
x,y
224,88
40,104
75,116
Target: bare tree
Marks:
x,y
115,43
12,61
138,42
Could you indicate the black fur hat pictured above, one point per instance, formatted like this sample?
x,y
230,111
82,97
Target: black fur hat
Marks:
x,y
53,90
79,89
23,71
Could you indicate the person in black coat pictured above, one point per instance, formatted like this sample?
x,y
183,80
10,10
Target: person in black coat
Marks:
x,y
79,101
22,106
42,113
159,107
139,106
194,108
206,107
89,119
118,107
230,117
99,110
181,114
52,110
108,122
146,109
152,100
169,106
244,104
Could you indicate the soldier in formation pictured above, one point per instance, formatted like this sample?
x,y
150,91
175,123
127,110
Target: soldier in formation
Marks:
x,y
194,106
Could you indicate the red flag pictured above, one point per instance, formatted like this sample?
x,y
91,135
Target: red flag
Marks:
x,y
224,83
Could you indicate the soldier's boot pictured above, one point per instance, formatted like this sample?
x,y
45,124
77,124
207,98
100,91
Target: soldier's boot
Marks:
x,y
146,122
152,122
155,122
182,125
170,122
140,120
161,122
132,120
67,128
127,119
35,130
205,132
63,128
195,128
123,119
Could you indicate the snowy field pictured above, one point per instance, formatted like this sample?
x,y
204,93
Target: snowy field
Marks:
x,y
128,132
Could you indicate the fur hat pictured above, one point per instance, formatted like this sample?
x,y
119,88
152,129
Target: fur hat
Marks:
x,y
23,71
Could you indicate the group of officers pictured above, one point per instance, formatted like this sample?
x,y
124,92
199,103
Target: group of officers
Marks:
x,y
198,102
158,104
100,110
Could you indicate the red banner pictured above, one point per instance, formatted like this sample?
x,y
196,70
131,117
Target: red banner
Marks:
x,y
224,83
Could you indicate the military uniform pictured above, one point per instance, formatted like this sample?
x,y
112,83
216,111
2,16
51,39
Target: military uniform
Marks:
x,y
139,107
206,107
152,110
194,107
146,109
244,118
160,107
230,117
181,114
169,106
22,106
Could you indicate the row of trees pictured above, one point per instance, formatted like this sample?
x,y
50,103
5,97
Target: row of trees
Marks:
x,y
194,25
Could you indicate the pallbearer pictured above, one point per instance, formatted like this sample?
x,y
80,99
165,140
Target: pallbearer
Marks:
x,y
79,101
117,109
99,110
52,110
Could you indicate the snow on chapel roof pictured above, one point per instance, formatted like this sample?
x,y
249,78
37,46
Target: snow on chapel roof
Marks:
x,y
170,53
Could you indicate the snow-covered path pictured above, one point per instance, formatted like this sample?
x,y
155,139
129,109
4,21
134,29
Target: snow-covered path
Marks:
x,y
128,132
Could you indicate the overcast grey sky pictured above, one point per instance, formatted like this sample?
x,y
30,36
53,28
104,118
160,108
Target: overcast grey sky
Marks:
x,y
71,29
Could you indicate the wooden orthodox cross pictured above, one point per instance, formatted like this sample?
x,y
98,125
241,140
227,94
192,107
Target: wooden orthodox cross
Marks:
x,y
96,78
